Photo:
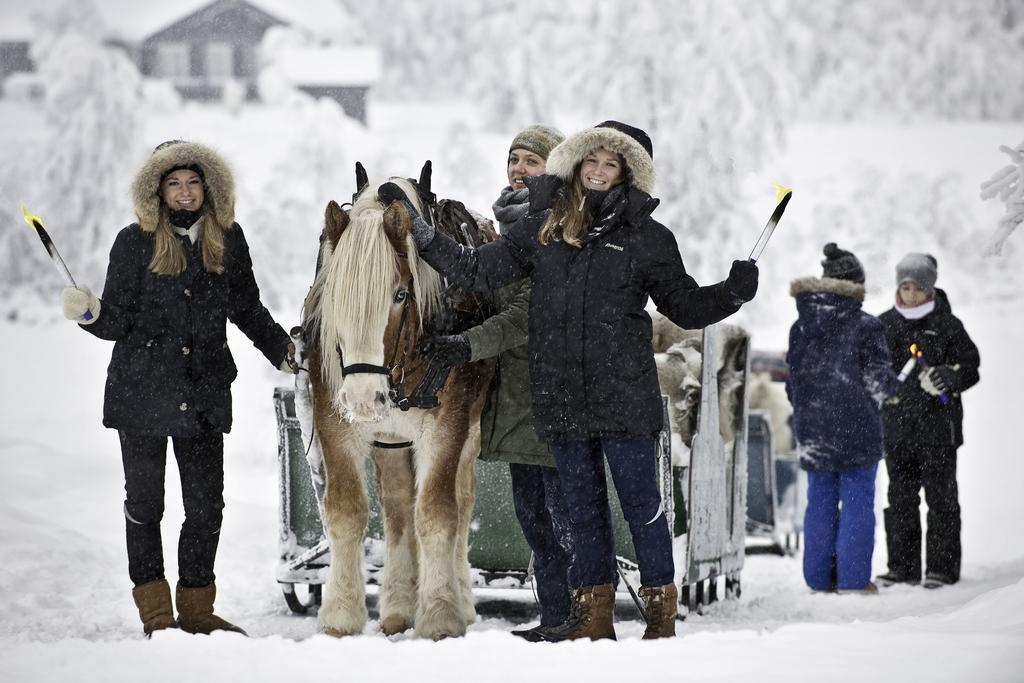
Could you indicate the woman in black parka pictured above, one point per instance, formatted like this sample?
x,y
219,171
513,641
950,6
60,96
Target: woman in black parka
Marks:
x,y
595,255
173,281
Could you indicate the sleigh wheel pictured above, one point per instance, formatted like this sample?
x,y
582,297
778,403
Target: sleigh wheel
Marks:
x,y
295,603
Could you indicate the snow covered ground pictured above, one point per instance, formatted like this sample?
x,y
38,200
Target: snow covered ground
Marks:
x,y
67,613
65,607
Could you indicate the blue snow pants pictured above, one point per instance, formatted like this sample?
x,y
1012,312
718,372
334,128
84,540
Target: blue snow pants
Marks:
x,y
634,470
839,528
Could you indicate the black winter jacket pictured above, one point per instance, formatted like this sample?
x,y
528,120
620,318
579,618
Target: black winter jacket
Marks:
x,y
171,361
591,364
918,417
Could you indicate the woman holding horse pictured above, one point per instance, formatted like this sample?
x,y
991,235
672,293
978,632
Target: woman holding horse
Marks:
x,y
506,426
173,281
594,256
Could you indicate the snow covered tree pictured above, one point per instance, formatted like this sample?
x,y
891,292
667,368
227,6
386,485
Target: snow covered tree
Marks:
x,y
1008,184
92,95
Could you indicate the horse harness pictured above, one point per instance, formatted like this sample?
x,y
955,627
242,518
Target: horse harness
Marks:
x,y
424,394
454,219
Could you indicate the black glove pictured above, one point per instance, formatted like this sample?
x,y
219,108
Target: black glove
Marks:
x,y
939,379
741,285
449,350
422,231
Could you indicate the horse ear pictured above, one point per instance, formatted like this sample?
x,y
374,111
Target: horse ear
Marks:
x,y
425,173
335,222
396,225
362,180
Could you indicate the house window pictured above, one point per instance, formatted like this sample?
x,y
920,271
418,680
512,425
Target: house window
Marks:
x,y
172,60
220,61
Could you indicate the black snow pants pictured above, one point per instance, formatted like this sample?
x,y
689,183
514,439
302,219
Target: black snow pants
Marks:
x,y
201,470
910,468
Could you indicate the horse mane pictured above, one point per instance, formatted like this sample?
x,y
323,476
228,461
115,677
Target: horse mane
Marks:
x,y
353,291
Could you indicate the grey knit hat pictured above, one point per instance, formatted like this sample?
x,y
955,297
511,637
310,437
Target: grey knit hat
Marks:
x,y
840,264
921,269
538,138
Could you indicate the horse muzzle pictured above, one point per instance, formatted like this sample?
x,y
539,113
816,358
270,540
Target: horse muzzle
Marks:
x,y
363,398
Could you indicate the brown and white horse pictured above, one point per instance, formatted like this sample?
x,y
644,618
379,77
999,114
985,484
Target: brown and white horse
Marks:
x,y
369,308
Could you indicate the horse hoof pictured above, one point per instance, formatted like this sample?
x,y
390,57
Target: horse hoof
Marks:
x,y
334,632
393,625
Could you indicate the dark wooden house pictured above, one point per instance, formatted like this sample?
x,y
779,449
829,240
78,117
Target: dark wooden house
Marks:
x,y
203,47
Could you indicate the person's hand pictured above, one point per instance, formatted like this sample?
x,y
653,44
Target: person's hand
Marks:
x,y
741,285
449,350
77,301
938,379
422,231
289,364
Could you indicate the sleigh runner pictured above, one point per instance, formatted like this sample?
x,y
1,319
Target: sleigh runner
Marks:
x,y
703,479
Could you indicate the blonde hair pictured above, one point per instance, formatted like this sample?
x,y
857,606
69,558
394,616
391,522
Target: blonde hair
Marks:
x,y
352,293
567,222
169,253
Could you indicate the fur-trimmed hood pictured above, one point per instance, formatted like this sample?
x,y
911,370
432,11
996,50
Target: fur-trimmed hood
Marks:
x,y
830,285
218,181
568,154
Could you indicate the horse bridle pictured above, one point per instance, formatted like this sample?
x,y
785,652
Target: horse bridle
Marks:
x,y
424,394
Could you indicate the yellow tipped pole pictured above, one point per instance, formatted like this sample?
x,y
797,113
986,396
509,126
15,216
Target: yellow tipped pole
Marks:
x,y
37,224
782,197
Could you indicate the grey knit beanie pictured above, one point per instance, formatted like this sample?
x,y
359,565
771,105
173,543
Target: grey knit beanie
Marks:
x,y
921,269
538,138
840,264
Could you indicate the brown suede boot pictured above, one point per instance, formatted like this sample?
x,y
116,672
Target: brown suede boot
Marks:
x,y
661,604
590,616
154,602
195,611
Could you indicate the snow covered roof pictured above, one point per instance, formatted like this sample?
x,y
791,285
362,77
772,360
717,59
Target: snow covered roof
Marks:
x,y
328,66
132,21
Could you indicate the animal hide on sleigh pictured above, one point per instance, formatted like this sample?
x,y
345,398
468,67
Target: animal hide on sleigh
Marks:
x,y
679,357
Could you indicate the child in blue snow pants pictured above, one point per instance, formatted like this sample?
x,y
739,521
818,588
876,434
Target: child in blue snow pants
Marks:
x,y
839,528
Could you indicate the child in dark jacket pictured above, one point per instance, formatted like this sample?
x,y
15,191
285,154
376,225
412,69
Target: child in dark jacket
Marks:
x,y
924,428
840,373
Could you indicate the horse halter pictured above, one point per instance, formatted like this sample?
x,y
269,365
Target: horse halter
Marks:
x,y
424,395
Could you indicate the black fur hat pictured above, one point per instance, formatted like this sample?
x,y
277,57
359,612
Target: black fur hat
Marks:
x,y
840,264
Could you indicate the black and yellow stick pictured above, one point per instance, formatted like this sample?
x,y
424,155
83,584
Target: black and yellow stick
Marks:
x,y
37,223
782,196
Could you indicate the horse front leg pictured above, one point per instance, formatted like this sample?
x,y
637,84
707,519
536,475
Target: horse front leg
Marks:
x,y
465,492
396,486
346,511
439,613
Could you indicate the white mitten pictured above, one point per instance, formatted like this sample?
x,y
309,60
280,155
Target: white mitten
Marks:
x,y
80,305
928,383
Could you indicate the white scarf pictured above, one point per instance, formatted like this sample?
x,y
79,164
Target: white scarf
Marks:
x,y
917,312
192,231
